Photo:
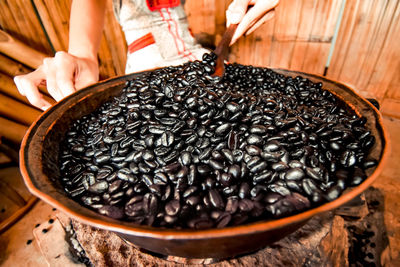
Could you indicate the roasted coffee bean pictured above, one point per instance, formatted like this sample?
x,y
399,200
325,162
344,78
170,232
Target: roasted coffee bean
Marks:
x,y
185,158
369,164
215,165
348,158
235,171
246,205
253,150
99,187
223,220
223,129
279,166
216,199
264,176
313,174
254,139
259,167
244,190
271,146
114,186
167,138
258,129
172,208
228,155
294,174
112,212
233,140
200,223
102,158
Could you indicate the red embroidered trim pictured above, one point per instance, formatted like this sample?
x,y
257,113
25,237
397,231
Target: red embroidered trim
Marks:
x,y
170,31
154,5
142,42
186,53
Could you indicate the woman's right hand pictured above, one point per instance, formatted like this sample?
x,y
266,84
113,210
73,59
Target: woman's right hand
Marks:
x,y
63,74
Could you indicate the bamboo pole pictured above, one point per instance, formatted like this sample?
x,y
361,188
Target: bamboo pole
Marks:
x,y
11,67
7,86
9,151
4,225
19,51
17,111
12,131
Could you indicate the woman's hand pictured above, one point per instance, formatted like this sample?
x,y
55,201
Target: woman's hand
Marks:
x,y
249,19
67,72
63,74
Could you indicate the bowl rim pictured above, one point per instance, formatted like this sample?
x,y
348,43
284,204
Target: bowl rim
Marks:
x,y
182,234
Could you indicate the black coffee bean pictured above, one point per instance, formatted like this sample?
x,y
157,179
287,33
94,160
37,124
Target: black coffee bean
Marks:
x,y
215,165
143,168
112,212
223,129
246,205
264,176
369,164
254,139
258,129
235,171
253,150
271,146
167,138
253,161
279,166
233,140
200,223
172,208
259,167
294,174
313,174
244,190
114,186
348,158
223,220
271,197
100,159
216,199
147,155
228,154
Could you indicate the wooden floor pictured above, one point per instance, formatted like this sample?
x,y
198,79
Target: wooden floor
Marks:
x,y
14,250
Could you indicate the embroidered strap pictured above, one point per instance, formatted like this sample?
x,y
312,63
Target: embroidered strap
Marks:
x,y
154,5
140,43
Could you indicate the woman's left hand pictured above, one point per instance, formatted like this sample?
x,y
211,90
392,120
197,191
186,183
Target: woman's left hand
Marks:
x,y
251,18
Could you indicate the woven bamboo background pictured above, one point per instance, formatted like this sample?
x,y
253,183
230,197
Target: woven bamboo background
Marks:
x,y
365,56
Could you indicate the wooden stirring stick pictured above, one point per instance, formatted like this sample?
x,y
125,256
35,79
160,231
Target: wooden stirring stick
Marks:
x,y
222,50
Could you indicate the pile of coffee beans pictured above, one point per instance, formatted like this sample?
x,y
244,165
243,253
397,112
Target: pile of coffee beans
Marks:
x,y
182,149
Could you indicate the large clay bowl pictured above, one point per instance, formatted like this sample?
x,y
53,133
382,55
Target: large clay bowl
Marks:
x,y
39,167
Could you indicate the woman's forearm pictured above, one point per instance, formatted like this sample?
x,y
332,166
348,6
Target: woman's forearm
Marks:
x,y
86,27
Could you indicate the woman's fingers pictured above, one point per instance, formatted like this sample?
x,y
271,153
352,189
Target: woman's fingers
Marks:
x,y
60,75
50,70
252,16
261,21
236,11
28,86
65,73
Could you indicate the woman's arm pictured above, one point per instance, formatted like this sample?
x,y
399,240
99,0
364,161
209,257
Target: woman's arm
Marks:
x,y
67,72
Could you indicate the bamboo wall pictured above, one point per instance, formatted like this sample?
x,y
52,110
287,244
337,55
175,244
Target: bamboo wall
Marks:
x,y
300,37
